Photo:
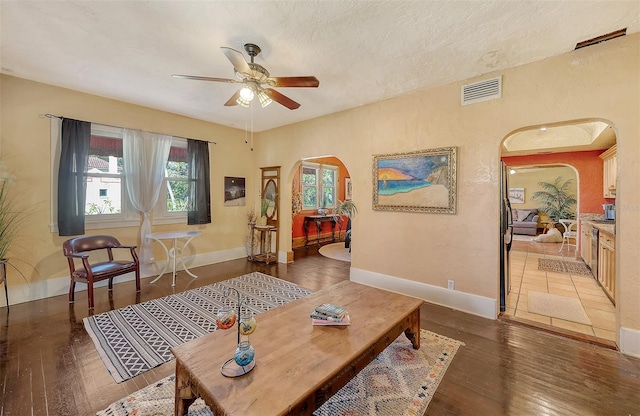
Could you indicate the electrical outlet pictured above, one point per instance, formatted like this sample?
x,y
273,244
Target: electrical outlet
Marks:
x,y
451,285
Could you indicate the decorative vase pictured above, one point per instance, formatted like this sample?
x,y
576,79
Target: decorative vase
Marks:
x,y
247,324
225,318
262,221
244,354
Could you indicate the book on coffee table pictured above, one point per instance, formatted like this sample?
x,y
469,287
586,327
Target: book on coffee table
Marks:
x,y
345,320
331,310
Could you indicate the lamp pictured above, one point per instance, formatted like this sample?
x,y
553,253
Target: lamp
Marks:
x,y
246,96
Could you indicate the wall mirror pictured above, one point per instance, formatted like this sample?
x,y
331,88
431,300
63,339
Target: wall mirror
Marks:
x,y
270,185
270,193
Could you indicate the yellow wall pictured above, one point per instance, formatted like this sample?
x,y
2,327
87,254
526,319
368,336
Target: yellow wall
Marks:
x,y
601,81
530,178
26,153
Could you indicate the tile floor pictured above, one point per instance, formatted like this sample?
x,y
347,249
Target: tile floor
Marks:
x,y
525,276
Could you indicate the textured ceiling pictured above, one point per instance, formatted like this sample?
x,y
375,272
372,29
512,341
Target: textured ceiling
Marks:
x,y
361,51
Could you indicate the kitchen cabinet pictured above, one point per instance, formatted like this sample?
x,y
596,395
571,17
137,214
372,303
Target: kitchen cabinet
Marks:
x,y
585,242
607,264
610,166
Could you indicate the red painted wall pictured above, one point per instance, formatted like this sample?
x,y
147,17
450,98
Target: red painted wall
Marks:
x,y
589,167
297,231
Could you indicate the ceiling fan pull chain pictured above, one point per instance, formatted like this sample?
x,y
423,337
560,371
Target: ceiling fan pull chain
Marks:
x,y
252,127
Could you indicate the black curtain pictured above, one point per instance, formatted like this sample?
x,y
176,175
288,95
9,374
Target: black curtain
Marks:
x,y
72,185
199,211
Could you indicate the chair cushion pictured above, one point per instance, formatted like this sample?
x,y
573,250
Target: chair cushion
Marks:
x,y
106,269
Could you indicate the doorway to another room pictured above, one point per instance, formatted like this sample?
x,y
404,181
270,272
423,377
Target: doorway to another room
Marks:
x,y
551,286
319,186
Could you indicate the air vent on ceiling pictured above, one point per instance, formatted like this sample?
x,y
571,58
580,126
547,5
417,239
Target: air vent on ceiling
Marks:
x,y
489,89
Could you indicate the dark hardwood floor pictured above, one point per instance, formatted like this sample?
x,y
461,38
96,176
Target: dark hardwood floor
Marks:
x,y
48,365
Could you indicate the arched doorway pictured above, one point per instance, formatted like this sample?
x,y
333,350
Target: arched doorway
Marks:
x,y
318,185
559,150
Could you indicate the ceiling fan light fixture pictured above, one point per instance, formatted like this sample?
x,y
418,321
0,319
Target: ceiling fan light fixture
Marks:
x,y
264,99
246,96
247,93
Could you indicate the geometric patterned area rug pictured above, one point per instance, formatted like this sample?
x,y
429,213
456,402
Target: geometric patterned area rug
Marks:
x,y
577,268
556,306
137,338
400,381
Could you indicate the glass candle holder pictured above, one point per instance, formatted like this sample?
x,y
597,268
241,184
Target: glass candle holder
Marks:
x,y
225,318
244,354
247,324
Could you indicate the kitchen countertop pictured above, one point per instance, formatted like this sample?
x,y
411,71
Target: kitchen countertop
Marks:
x,y
592,219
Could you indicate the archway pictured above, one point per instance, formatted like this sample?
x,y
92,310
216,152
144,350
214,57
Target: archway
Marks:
x,y
579,145
317,185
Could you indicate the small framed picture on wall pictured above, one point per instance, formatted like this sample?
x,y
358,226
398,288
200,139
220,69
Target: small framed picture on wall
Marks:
x,y
234,191
516,195
348,194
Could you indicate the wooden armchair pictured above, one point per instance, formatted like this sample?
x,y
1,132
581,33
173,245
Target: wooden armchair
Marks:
x,y
78,248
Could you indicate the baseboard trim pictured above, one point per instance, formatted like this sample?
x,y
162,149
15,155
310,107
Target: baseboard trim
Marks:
x,y
56,286
465,302
630,341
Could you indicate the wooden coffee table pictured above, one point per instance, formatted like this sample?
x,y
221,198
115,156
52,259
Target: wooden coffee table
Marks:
x,y
298,366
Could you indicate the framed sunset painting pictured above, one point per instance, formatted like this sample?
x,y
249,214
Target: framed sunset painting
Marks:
x,y
420,181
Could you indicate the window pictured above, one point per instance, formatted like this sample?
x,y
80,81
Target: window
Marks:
x,y
107,201
174,195
319,185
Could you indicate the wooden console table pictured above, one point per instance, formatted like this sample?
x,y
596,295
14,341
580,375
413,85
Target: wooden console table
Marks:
x,y
298,366
318,220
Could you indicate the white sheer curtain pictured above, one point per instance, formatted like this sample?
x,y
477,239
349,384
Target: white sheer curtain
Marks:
x,y
145,157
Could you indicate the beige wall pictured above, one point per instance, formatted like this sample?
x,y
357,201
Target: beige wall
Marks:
x,y
596,82
601,81
26,153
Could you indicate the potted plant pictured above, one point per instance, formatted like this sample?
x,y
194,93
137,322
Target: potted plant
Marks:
x,y
555,199
10,220
348,209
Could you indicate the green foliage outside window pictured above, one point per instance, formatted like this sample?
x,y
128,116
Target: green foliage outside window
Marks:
x,y
318,187
177,186
105,208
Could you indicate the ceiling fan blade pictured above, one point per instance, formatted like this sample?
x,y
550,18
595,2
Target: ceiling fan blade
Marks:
x,y
197,78
310,82
233,100
282,99
237,60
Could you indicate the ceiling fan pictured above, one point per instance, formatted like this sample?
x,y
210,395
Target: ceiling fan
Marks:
x,y
257,80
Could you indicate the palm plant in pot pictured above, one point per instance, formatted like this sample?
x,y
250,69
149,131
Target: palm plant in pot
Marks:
x,y
348,209
10,219
555,199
